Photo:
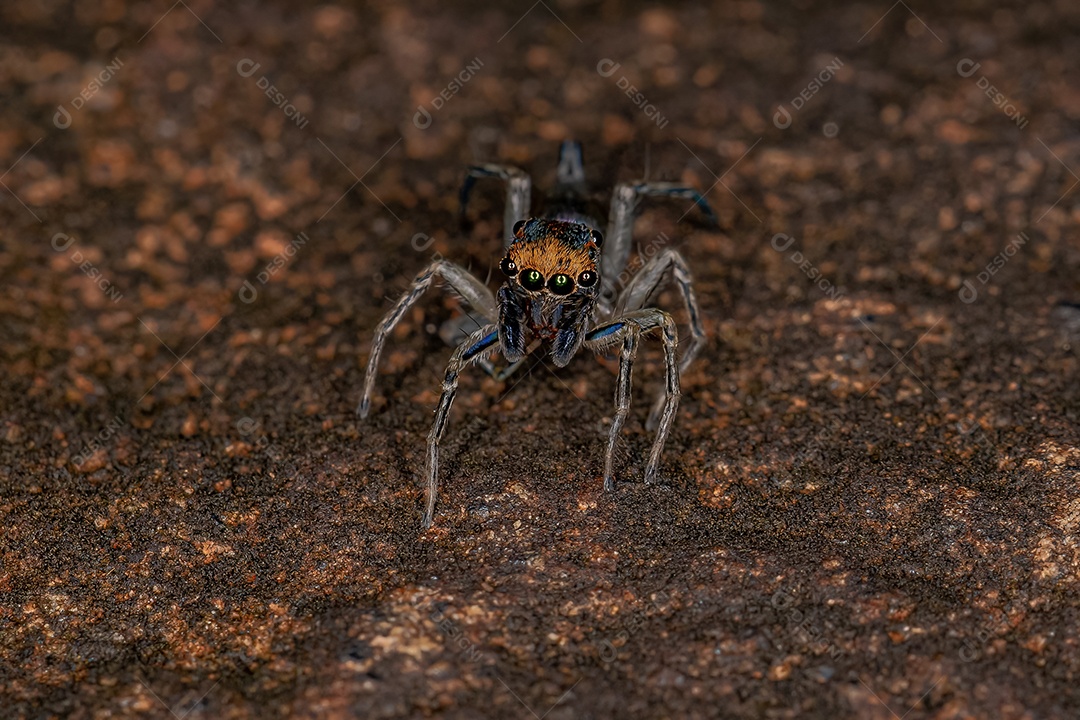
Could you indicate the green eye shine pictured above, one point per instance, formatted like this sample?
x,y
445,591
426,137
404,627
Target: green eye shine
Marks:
x,y
532,279
561,284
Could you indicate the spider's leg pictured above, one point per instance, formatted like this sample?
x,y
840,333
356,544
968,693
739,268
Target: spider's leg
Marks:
x,y
474,347
644,285
571,172
464,283
456,329
518,193
624,202
631,334
499,373
628,330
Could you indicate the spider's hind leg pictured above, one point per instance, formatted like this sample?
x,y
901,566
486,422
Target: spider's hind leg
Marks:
x,y
571,171
518,193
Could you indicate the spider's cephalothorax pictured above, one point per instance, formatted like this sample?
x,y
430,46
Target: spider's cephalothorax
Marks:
x,y
552,287
560,291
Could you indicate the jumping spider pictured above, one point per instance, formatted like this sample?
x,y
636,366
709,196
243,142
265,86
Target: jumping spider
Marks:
x,y
555,294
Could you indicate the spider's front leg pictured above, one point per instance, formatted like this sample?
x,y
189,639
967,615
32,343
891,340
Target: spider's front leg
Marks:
x,y
456,329
518,194
628,329
475,293
475,346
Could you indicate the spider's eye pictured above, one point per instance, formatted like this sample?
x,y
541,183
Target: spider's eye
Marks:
x,y
518,225
598,238
509,267
531,279
587,279
561,284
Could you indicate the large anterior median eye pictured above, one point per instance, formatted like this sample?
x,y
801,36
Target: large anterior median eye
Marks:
x,y
531,279
561,284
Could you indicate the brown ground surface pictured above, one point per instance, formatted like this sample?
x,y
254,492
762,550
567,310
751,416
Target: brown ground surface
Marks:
x,y
870,501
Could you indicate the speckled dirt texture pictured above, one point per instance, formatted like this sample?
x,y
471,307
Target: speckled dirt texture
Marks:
x,y
869,504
